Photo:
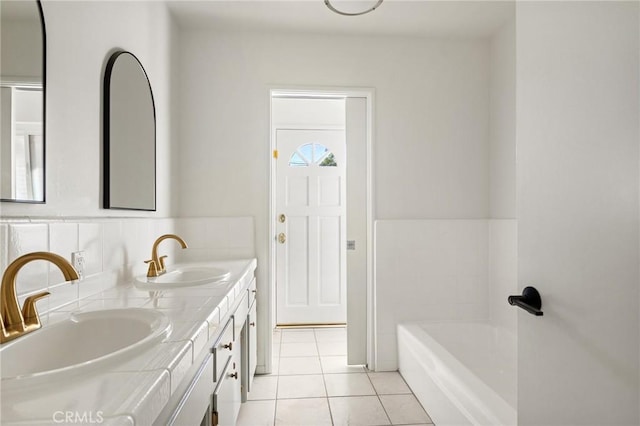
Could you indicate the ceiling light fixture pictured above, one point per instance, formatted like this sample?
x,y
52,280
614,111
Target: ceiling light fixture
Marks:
x,y
340,12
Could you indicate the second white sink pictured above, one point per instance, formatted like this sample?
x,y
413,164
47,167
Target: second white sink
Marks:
x,y
183,276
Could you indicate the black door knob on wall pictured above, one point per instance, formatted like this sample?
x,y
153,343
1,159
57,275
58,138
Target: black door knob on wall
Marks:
x,y
530,301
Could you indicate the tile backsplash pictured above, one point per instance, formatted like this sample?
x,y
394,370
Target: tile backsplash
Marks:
x,y
114,249
216,238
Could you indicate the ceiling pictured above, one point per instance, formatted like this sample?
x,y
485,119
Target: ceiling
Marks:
x,y
416,18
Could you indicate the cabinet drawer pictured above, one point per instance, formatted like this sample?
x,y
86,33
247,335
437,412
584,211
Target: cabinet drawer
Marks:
x,y
226,396
222,349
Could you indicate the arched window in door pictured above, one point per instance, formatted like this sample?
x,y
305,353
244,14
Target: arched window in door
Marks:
x,y
311,154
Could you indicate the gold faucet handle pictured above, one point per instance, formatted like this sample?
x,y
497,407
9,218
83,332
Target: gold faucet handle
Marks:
x,y
29,311
153,268
162,267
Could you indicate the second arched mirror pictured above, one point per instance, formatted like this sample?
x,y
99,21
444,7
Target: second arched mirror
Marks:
x,y
129,135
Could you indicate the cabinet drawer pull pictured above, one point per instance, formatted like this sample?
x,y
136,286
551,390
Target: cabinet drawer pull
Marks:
x,y
228,346
252,324
234,375
254,291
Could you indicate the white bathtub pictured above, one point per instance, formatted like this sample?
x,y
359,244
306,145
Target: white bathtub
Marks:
x,y
462,373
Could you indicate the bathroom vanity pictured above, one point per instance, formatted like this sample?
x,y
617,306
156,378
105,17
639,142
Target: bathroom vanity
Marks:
x,y
199,375
229,358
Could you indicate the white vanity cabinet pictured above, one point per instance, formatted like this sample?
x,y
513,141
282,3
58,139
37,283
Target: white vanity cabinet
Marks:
x,y
227,351
212,393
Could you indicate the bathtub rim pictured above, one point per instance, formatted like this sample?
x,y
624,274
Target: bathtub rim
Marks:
x,y
476,401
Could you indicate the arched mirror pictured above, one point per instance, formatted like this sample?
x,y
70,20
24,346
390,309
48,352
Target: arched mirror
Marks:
x,y
129,135
22,101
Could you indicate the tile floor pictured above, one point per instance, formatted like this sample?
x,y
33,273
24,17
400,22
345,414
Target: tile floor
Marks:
x,y
312,385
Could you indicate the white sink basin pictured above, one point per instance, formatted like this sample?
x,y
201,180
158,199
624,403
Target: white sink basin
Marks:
x,y
183,276
87,341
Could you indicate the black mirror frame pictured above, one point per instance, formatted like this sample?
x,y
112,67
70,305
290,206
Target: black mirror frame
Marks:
x,y
43,27
106,134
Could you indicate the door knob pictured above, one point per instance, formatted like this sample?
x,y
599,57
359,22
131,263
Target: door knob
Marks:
x,y
282,238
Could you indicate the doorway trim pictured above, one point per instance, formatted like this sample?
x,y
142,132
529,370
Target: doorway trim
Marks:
x,y
310,92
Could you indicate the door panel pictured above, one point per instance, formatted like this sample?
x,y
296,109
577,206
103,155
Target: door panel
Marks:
x,y
329,191
295,247
577,148
328,258
311,258
297,191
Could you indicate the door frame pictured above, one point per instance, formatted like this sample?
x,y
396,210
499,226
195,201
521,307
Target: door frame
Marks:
x,y
310,92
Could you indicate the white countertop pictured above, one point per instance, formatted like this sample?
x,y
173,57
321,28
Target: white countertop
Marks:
x,y
135,392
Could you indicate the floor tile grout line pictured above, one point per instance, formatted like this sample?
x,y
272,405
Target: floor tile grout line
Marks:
x,y
410,393
414,395
379,399
275,403
324,382
312,397
300,356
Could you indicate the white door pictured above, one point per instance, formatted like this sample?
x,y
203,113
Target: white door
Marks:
x,y
310,228
577,136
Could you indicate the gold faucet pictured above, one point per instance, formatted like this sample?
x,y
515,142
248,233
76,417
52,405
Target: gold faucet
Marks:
x,y
156,264
15,322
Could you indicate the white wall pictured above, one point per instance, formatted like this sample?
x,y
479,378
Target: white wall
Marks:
x,y
80,37
431,121
424,90
427,270
309,113
502,235
502,145
502,275
212,238
452,270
